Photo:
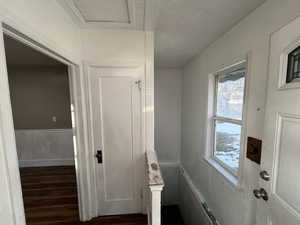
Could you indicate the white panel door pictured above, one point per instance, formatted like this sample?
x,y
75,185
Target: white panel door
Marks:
x,y
281,143
116,129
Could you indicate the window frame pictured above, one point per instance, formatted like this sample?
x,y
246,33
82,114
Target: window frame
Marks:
x,y
230,174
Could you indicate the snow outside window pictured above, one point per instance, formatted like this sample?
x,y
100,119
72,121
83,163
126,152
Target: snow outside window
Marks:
x,y
228,117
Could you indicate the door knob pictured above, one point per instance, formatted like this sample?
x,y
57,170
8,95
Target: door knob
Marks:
x,y
99,156
264,175
261,193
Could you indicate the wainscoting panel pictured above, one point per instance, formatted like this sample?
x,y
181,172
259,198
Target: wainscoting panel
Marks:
x,y
51,147
190,201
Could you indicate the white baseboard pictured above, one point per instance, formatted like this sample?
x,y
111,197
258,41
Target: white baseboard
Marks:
x,y
192,186
47,162
169,164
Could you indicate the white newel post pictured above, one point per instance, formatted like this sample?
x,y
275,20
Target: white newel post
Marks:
x,y
156,204
154,187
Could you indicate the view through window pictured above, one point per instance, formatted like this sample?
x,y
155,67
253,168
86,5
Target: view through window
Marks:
x,y
228,118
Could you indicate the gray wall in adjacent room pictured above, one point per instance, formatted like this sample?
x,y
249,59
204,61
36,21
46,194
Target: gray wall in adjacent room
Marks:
x,y
38,94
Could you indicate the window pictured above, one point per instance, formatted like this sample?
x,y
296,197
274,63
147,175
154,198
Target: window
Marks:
x,y
293,70
227,119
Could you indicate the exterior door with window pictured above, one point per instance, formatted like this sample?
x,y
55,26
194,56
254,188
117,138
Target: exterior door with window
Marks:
x,y
115,96
279,191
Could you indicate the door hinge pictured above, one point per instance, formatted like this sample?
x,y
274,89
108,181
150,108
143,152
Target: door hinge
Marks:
x,y
139,84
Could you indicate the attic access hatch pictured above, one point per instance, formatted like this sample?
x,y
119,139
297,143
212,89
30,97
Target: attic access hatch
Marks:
x,y
116,11
106,14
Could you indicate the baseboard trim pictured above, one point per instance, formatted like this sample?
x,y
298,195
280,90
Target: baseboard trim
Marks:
x,y
47,162
192,186
187,178
169,164
198,196
56,130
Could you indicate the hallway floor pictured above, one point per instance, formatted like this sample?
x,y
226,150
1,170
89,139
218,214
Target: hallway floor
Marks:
x,y
50,198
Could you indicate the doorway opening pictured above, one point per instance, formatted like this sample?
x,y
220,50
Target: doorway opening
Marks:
x,y
44,123
42,206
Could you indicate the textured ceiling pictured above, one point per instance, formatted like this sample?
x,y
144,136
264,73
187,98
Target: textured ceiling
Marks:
x,y
185,27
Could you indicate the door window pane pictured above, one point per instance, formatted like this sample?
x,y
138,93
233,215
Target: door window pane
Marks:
x,y
227,143
230,95
293,70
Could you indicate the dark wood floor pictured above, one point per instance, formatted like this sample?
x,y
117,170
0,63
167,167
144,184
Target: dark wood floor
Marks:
x,y
50,198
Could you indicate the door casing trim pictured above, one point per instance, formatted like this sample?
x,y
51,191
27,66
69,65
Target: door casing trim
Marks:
x,y
77,97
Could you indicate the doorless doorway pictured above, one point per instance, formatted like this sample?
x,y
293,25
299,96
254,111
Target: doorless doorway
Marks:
x,y
78,135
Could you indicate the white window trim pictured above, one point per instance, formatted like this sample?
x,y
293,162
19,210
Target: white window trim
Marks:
x,y
225,171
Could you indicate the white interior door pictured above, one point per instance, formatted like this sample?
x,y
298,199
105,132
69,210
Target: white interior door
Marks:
x,y
115,95
281,143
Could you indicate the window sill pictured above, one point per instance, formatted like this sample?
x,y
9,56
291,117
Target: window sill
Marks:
x,y
231,179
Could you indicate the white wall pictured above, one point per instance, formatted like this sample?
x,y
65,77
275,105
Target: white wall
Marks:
x,y
111,47
168,129
47,23
251,35
168,114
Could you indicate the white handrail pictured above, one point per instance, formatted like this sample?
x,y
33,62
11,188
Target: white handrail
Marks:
x,y
154,187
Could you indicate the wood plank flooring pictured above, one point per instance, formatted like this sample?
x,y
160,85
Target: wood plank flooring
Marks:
x,y
50,198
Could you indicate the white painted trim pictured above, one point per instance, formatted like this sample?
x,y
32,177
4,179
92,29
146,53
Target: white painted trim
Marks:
x,y
46,130
235,180
169,164
195,191
282,85
46,162
38,42
148,91
148,104
8,145
156,188
80,143
12,20
155,214
155,184
34,45
198,195
92,195
231,179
